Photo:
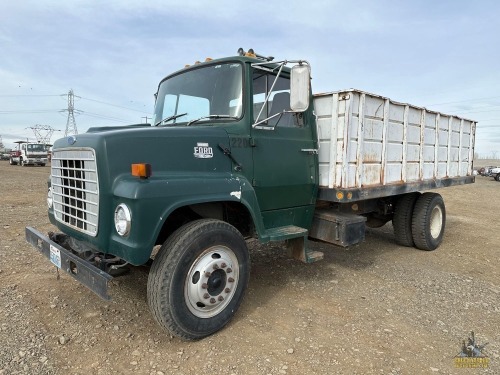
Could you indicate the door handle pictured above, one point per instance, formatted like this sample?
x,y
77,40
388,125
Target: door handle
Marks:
x,y
310,150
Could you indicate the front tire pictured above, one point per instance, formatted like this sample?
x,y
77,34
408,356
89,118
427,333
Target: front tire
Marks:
x,y
497,177
429,219
198,278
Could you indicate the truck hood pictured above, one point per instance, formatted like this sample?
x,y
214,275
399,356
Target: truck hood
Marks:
x,y
169,150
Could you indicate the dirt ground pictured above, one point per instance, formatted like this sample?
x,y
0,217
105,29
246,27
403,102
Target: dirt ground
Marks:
x,y
375,308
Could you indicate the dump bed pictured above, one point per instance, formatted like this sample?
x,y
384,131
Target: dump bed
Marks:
x,y
368,141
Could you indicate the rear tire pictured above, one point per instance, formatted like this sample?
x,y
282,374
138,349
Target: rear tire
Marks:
x,y
429,219
402,220
497,177
198,278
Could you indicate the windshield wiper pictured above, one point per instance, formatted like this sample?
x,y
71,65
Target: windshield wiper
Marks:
x,y
170,118
211,117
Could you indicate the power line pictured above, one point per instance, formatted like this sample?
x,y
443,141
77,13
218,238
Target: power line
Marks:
x,y
29,111
96,115
79,97
13,96
114,105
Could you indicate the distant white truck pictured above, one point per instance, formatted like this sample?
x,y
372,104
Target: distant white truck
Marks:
x,y
29,153
495,173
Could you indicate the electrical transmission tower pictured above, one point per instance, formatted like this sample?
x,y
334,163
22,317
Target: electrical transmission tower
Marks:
x,y
71,123
43,133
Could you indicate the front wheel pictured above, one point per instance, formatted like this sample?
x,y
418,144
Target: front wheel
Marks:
x,y
497,177
198,278
428,222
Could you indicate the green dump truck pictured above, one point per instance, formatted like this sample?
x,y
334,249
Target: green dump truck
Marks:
x,y
240,148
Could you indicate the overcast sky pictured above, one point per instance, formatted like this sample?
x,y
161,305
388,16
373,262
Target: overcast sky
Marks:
x,y
443,55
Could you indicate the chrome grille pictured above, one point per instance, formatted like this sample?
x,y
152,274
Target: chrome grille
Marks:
x,y
75,189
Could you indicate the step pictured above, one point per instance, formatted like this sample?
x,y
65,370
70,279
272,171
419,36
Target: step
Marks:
x,y
285,233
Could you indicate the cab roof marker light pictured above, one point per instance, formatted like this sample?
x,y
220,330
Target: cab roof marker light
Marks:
x,y
141,170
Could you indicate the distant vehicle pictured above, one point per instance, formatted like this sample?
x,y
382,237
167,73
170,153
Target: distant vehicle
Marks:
x,y
495,173
29,153
5,156
486,171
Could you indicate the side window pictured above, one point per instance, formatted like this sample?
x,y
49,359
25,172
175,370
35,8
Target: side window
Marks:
x,y
279,99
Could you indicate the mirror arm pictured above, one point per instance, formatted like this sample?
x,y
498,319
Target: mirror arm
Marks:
x,y
270,92
256,124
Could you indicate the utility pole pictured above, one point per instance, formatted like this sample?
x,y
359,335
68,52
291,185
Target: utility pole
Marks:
x,y
146,118
71,123
43,133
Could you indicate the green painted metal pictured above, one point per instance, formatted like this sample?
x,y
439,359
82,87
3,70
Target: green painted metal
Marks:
x,y
264,170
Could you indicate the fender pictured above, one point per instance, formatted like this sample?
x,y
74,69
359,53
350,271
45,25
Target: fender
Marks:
x,y
152,201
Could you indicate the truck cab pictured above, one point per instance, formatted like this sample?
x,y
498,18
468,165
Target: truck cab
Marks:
x,y
29,153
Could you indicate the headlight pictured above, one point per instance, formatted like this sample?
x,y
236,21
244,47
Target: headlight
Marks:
x,y
49,198
122,219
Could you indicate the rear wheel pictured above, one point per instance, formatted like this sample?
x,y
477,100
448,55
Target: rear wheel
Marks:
x,y
428,223
497,177
198,278
402,220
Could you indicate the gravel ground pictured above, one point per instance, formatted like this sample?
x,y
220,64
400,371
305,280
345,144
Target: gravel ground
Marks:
x,y
375,308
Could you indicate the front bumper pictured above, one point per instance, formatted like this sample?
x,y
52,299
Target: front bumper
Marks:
x,y
36,161
84,272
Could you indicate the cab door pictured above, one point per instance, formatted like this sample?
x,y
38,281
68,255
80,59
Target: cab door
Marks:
x,y
284,160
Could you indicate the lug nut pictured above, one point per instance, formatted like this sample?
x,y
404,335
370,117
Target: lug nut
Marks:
x,y
215,266
220,298
212,300
223,265
204,286
227,290
231,280
206,296
208,274
229,270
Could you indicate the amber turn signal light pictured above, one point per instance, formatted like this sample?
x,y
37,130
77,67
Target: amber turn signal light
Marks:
x,y
142,170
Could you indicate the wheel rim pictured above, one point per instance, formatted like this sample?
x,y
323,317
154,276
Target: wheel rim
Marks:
x,y
211,281
436,221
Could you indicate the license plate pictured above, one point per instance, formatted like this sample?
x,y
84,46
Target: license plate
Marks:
x,y
55,256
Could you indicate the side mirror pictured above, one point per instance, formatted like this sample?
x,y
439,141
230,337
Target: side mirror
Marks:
x,y
299,88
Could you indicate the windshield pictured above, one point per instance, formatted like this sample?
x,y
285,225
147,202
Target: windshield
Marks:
x,y
203,92
36,147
